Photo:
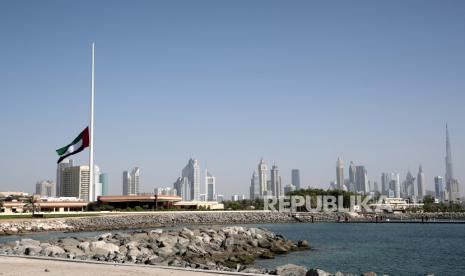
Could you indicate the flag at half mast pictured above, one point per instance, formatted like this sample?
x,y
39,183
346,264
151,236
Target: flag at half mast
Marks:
x,y
79,144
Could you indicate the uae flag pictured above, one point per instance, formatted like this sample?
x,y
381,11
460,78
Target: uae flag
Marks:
x,y
79,144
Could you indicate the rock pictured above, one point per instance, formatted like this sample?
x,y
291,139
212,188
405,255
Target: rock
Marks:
x,y
29,242
105,236
290,270
165,252
255,270
264,243
101,248
279,248
84,246
317,272
32,250
73,251
69,242
339,274
156,231
370,273
53,251
267,255
303,244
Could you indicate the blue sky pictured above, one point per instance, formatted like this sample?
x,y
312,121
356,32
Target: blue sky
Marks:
x,y
227,82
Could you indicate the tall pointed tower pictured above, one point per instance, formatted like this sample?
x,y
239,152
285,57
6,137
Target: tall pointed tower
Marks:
x,y
452,184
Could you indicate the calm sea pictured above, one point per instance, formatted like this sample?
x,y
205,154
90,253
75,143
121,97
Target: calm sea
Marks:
x,y
395,249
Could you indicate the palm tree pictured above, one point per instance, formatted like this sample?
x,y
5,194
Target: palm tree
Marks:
x,y
31,203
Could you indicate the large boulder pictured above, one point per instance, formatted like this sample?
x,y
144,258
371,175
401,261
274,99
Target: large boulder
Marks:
x,y
32,250
54,251
101,248
317,272
290,270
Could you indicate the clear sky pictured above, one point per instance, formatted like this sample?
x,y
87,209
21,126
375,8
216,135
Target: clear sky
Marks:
x,y
227,82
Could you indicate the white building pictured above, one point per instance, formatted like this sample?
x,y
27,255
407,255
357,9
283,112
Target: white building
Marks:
x,y
165,191
46,188
254,186
276,187
421,183
191,172
131,182
182,188
237,197
262,176
210,186
339,174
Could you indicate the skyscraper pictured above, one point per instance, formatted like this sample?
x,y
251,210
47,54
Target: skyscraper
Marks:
x,y
210,183
45,188
104,181
295,177
439,188
385,184
254,186
452,184
182,188
361,180
352,173
262,177
394,184
339,174
131,182
421,183
66,163
276,182
192,172
408,186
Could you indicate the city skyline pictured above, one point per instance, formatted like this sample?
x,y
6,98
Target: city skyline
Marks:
x,y
264,86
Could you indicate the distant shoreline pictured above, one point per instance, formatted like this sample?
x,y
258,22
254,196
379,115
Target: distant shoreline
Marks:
x,y
134,220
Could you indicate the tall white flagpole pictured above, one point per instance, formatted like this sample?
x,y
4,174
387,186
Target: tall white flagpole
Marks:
x,y
91,134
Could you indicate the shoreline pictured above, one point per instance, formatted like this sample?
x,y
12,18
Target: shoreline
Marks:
x,y
137,220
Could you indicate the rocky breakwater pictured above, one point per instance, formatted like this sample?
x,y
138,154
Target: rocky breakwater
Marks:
x,y
144,220
226,248
29,225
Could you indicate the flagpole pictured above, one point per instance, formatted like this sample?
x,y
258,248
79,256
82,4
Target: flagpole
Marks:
x,y
91,134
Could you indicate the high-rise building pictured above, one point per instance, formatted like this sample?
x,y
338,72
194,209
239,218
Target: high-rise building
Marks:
x,y
254,186
352,172
295,178
182,188
131,182
262,177
104,181
384,183
394,185
66,163
276,187
439,188
339,174
408,189
361,180
237,197
289,188
75,182
210,186
165,191
421,183
452,184
45,188
192,172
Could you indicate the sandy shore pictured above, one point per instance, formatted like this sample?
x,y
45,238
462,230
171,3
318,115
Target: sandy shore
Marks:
x,y
34,266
